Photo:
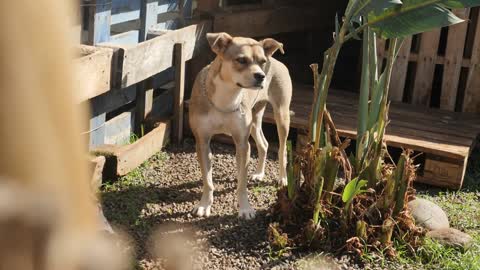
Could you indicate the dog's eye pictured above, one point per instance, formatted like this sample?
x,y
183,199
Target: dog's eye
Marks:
x,y
262,62
242,60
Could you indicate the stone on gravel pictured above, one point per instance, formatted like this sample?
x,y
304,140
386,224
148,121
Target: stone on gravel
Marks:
x,y
428,215
451,237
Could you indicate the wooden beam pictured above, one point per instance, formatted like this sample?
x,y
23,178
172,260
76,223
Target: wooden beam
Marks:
x,y
99,31
427,58
471,101
123,159
399,73
93,72
453,55
178,109
265,22
155,55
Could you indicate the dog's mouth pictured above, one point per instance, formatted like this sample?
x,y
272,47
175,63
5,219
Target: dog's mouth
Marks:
x,y
254,87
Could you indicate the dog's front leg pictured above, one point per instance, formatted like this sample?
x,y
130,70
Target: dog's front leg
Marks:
x,y
204,158
243,156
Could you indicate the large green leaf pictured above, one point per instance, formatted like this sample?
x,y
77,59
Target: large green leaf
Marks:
x,y
461,3
414,16
364,7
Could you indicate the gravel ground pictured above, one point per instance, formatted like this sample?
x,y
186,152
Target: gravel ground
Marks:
x,y
161,194
157,198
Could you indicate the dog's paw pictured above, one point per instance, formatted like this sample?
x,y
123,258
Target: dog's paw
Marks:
x,y
247,213
257,176
202,210
282,181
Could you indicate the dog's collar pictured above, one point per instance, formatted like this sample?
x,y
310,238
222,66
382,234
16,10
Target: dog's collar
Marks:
x,y
239,108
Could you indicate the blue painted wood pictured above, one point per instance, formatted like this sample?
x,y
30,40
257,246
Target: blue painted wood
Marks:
x,y
148,17
101,21
126,38
125,16
101,33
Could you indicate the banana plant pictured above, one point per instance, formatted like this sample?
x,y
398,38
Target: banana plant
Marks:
x,y
388,19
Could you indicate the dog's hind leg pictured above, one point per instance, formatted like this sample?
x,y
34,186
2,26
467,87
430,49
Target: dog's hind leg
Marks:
x,y
260,141
242,147
204,158
282,119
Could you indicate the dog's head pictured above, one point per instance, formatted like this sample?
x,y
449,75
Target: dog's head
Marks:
x,y
243,59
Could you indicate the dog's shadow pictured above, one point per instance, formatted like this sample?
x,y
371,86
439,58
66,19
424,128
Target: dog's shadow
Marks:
x,y
141,209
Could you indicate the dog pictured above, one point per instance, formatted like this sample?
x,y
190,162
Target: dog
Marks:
x,y
229,96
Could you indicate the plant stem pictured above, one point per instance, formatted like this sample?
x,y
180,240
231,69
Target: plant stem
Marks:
x,y
363,102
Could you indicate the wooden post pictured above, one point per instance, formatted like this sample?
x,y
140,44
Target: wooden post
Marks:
x,y
471,101
453,61
179,62
144,96
399,74
427,59
99,31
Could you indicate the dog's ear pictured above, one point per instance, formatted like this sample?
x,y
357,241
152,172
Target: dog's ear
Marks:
x,y
270,46
219,41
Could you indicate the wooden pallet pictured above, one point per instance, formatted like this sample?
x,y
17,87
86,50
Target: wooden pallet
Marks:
x,y
445,138
455,51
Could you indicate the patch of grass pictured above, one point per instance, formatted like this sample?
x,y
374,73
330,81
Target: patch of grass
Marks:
x,y
433,256
136,177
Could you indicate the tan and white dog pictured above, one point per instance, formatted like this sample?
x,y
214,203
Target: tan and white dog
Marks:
x,y
229,96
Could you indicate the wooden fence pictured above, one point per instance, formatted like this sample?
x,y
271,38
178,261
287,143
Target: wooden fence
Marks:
x,y
132,72
440,68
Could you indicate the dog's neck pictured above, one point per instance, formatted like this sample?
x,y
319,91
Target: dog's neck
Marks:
x,y
225,95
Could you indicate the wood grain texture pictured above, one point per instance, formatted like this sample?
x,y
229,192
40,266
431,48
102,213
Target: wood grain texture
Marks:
x,y
427,58
439,132
442,173
179,62
471,102
93,72
399,73
155,55
453,58
123,159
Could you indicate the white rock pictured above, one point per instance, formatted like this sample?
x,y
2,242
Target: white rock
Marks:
x,y
428,215
451,237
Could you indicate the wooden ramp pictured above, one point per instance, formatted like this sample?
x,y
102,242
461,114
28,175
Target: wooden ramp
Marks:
x,y
445,137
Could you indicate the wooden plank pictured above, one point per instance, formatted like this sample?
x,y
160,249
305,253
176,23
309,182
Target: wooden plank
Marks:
x,y
148,17
440,60
124,39
97,163
471,102
442,173
119,129
179,62
93,73
99,22
399,73
99,31
402,132
265,22
123,159
153,56
427,57
97,125
453,55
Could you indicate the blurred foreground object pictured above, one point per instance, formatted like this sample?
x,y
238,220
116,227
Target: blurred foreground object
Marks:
x,y
48,219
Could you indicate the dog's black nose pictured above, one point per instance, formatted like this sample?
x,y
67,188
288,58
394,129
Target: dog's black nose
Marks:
x,y
259,76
